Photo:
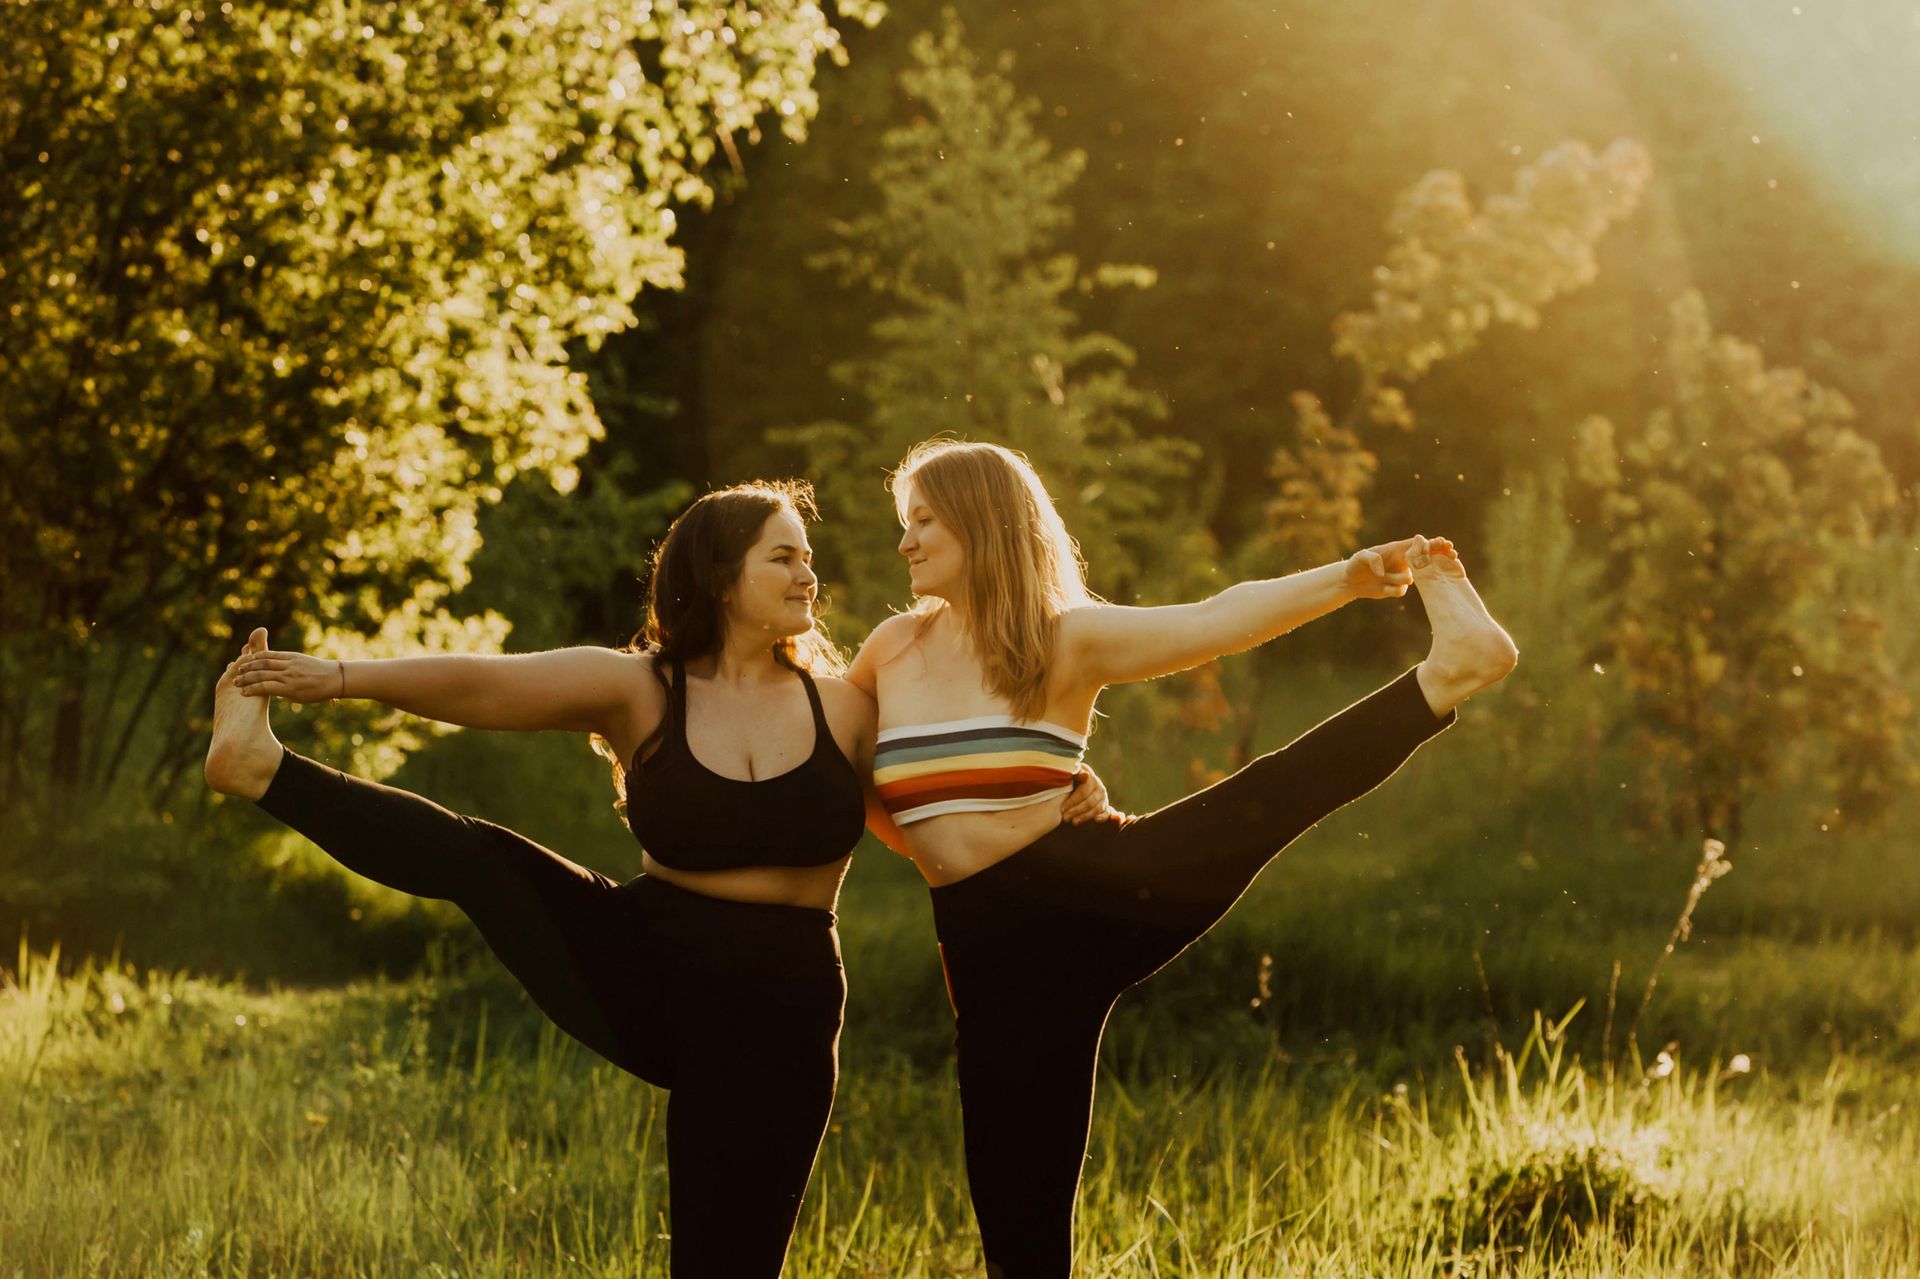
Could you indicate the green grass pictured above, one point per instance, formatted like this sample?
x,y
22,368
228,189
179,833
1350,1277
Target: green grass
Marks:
x,y
167,1126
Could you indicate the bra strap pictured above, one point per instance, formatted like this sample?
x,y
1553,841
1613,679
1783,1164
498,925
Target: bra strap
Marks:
x,y
821,733
678,696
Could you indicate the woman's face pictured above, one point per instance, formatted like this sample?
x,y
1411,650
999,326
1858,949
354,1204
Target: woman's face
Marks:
x,y
775,591
936,562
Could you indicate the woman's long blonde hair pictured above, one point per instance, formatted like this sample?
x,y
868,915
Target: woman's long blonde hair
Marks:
x,y
1023,569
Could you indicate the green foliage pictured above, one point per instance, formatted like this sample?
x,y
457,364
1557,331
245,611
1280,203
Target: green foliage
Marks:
x,y
288,294
1452,273
1734,513
981,340
1545,582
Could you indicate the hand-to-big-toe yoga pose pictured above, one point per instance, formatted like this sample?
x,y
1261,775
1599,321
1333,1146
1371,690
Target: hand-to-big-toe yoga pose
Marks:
x,y
985,695
716,973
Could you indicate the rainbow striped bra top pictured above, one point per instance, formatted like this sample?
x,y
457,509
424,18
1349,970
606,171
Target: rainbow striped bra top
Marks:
x,y
979,765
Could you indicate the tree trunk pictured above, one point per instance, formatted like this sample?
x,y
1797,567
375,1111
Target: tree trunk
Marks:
x,y
69,734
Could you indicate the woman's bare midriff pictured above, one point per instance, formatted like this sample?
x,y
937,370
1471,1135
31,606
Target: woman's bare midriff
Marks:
x,y
813,886
949,848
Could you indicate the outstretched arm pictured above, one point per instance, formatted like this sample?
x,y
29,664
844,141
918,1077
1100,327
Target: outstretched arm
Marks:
x,y
1109,644
593,690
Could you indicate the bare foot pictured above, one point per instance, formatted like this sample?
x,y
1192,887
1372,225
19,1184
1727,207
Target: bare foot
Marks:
x,y
1470,650
245,754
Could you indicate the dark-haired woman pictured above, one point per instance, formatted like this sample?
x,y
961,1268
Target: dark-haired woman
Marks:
x,y
986,693
744,762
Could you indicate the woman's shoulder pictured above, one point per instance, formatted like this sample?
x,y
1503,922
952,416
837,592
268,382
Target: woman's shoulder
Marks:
x,y
885,644
647,696
1078,623
894,635
644,662
841,698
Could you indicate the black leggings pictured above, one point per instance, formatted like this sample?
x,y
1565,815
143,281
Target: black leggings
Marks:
x,y
734,1006
1039,946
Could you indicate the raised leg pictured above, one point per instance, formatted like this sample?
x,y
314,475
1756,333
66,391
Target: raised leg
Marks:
x,y
1169,876
563,931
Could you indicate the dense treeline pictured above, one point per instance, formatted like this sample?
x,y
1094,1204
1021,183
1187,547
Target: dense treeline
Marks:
x,y
333,344
1271,174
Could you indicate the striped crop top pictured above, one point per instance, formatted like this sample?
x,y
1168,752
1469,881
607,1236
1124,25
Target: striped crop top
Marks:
x,y
979,765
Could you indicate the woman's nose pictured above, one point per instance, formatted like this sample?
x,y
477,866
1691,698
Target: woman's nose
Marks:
x,y
906,543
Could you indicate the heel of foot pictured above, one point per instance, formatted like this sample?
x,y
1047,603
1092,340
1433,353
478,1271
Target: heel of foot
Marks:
x,y
242,770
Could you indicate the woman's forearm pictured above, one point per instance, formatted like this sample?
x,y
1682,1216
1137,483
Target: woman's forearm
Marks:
x,y
593,690
1251,613
1109,644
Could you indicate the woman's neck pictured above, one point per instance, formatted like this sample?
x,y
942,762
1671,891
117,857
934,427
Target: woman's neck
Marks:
x,y
741,660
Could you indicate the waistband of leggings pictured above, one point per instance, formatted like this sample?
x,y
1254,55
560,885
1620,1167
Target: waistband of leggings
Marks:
x,y
725,910
1016,874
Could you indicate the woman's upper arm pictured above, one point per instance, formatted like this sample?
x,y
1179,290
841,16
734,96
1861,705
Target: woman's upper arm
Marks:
x,y
607,691
849,707
852,715
1104,644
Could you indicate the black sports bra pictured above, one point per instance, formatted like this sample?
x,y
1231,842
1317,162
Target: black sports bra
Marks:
x,y
688,817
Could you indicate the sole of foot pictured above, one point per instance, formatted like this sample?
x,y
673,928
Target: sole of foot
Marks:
x,y
244,754
1471,651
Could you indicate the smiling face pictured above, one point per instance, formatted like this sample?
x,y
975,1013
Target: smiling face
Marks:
x,y
936,557
774,593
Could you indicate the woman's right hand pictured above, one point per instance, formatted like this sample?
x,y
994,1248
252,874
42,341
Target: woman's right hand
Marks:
x,y
297,677
1384,572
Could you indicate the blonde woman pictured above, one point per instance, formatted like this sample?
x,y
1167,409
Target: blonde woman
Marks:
x,y
986,691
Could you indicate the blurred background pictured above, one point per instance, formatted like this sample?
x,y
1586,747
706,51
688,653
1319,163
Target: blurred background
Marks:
x,y
400,330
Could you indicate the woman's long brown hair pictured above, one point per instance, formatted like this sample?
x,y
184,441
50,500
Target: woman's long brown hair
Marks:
x,y
691,570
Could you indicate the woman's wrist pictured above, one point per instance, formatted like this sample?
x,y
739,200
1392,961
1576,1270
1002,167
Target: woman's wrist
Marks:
x,y
1343,587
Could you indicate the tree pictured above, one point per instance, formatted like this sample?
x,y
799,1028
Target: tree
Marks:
x,y
981,341
1738,514
1451,274
288,293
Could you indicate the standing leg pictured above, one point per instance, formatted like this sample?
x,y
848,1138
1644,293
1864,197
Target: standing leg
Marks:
x,y
740,1151
1028,1019
1026,1095
759,1057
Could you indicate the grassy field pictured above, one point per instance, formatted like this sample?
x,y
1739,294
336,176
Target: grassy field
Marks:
x,y
1406,1052
166,1126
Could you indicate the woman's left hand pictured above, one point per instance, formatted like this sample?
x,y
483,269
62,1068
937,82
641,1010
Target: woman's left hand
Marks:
x,y
1087,801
